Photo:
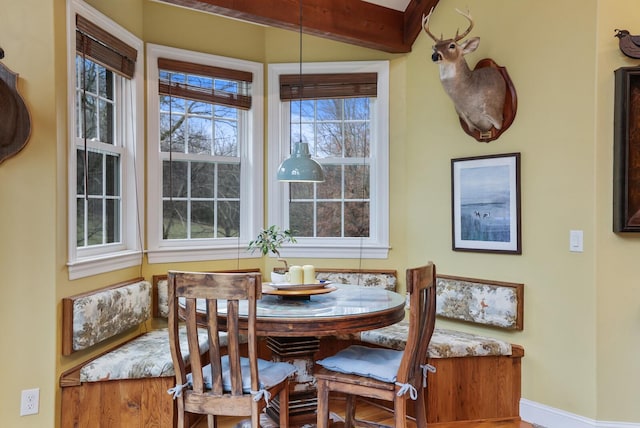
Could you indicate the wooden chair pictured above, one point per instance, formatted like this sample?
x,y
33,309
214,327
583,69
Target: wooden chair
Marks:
x,y
371,372
229,385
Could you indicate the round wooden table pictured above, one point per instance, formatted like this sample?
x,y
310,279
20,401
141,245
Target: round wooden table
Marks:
x,y
348,309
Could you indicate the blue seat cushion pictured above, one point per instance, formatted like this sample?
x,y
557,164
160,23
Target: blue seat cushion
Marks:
x,y
376,363
270,373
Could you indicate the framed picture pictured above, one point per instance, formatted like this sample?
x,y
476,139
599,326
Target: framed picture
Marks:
x,y
485,203
626,151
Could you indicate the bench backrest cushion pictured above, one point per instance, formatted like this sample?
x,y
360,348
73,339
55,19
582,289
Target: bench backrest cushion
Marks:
x,y
492,303
92,317
160,296
161,291
386,279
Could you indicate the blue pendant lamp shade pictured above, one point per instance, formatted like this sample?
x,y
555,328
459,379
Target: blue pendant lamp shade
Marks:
x,y
300,166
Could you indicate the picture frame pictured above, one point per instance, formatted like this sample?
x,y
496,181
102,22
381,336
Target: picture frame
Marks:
x,y
485,204
626,151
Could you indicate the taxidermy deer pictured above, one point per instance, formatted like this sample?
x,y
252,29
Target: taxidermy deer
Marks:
x,y
478,95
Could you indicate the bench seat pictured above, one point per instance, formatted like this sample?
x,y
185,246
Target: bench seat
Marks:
x,y
444,343
145,356
477,377
125,385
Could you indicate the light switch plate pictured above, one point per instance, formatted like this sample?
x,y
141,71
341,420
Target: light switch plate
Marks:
x,y
576,241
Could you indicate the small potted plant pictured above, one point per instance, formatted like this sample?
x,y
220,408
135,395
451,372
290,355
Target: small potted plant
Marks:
x,y
269,240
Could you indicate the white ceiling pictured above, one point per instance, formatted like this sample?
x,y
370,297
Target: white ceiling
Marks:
x,y
400,5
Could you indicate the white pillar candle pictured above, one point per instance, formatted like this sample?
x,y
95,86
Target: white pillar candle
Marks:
x,y
309,274
295,274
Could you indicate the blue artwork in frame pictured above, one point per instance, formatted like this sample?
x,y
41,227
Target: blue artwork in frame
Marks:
x,y
485,195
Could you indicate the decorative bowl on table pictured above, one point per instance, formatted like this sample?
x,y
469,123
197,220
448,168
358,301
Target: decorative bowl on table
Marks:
x,y
287,290
288,286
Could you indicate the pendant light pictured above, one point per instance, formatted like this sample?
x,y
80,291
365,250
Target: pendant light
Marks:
x,y
300,167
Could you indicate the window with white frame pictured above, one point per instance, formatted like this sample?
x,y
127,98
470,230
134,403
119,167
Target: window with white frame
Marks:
x,y
105,161
205,155
341,111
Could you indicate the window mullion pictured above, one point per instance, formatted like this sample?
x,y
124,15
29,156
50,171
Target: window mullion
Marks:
x,y
215,200
103,197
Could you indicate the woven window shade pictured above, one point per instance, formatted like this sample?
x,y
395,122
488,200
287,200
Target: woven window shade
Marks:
x,y
105,49
318,86
205,94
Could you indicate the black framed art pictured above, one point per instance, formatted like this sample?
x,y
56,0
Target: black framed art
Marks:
x,y
485,203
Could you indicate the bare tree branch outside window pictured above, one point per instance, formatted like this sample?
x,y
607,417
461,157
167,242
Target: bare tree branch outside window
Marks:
x,y
338,132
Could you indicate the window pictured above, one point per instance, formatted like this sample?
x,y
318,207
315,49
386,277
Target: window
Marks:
x,y
105,144
205,155
341,111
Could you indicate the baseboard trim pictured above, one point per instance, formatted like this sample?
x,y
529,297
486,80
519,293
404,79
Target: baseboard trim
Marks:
x,y
550,417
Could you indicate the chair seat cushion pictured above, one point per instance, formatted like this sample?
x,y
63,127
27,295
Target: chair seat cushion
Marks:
x,y
376,363
270,373
146,356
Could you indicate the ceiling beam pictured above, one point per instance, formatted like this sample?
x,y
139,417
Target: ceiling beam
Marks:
x,y
350,21
413,18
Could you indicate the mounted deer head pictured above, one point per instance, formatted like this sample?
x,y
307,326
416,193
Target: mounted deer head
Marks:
x,y
478,95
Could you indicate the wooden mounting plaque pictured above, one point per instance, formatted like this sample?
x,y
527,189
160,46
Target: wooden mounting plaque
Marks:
x,y
509,111
15,126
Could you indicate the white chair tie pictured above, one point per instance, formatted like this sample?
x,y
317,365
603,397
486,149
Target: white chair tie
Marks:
x,y
404,387
259,395
176,391
413,393
426,368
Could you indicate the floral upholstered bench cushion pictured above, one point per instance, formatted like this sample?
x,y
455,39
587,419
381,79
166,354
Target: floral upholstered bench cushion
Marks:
x,y
161,307
146,356
92,317
386,279
492,303
161,292
444,343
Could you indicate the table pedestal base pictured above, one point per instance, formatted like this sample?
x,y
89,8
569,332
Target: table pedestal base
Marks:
x,y
303,398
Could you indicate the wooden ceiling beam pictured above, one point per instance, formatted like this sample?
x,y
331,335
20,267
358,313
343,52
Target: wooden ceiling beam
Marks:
x,y
412,25
350,21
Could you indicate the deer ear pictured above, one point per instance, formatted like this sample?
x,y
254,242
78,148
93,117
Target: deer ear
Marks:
x,y
470,45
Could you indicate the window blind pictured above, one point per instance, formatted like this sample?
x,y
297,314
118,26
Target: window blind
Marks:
x,y
190,90
317,86
104,48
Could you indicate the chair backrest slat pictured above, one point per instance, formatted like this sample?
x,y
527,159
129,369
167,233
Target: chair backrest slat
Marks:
x,y
421,282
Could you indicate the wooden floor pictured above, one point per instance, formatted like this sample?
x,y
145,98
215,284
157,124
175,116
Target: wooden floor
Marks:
x,y
375,414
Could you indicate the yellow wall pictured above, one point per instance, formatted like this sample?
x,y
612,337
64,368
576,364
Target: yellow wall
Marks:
x,y
28,219
554,132
617,269
581,312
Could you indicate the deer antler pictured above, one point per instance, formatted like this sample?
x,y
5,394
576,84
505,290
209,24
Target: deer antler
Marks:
x,y
425,25
468,16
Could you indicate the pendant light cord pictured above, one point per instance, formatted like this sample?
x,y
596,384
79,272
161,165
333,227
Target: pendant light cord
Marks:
x,y
300,77
84,122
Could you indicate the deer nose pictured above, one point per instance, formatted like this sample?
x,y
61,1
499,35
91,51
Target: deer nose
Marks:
x,y
435,57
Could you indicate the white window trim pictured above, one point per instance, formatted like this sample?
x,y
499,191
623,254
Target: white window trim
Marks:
x,y
251,160
375,247
87,262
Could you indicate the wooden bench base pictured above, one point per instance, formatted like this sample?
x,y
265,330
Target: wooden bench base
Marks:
x,y
120,403
475,388
464,388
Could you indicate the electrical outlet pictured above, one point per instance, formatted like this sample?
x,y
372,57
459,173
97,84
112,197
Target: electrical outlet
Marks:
x,y
30,402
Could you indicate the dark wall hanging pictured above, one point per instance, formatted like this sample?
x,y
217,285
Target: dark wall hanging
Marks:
x,y
626,151
15,124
